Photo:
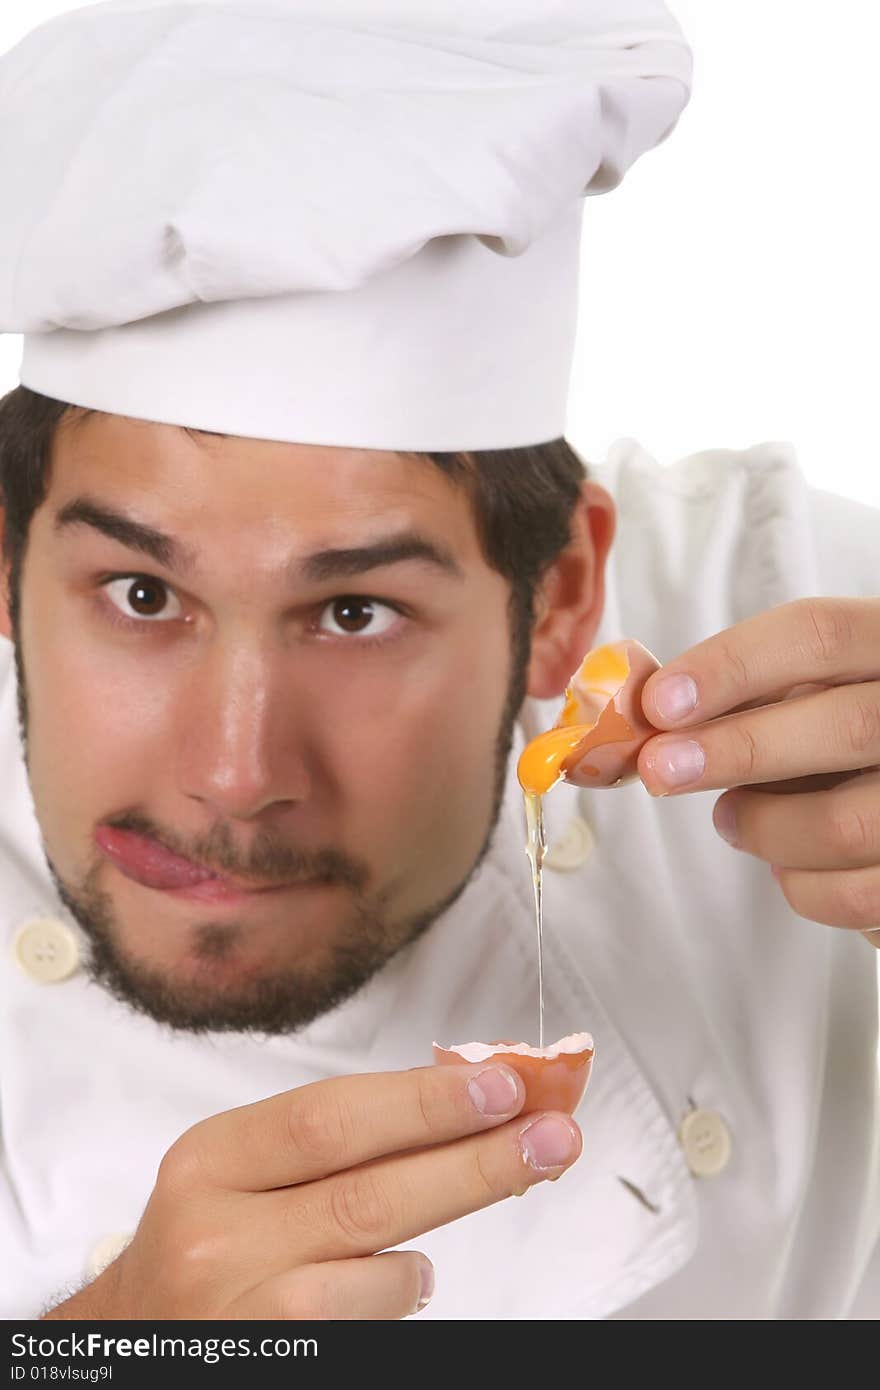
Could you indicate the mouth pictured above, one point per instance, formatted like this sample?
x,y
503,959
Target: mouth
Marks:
x,y
145,861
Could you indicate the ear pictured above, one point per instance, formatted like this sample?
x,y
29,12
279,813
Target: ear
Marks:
x,y
5,623
571,597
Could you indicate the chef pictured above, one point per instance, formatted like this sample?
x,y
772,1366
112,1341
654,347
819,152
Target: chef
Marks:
x,y
296,560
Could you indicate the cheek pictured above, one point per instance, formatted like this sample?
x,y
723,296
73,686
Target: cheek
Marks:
x,y
91,722
425,756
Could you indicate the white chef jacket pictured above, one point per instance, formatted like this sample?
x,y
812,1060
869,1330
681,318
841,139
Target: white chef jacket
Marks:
x,y
702,988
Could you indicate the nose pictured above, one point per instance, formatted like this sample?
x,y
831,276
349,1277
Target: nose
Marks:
x,y
238,747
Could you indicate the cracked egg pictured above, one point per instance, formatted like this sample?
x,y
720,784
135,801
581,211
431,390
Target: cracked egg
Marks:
x,y
602,716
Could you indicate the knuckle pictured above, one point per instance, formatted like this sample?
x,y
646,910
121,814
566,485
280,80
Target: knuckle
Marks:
x,y
360,1208
318,1127
859,900
194,1264
851,832
182,1167
428,1099
308,1296
487,1182
199,1257
862,731
735,668
747,756
829,630
288,1297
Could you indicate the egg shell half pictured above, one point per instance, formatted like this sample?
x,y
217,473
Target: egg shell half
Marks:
x,y
555,1077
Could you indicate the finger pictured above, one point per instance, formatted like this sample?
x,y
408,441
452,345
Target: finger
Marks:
x,y
836,829
328,1126
811,784
844,898
831,641
392,1285
396,1199
835,731
785,694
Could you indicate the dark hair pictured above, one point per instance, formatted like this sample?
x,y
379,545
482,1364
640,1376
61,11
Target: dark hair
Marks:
x,y
523,498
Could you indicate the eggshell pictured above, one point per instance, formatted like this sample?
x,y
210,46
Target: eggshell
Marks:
x,y
608,754
555,1077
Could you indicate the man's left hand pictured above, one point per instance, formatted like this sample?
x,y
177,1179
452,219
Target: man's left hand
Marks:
x,y
788,705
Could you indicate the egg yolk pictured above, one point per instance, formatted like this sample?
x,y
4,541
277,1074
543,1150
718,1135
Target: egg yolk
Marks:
x,y
601,675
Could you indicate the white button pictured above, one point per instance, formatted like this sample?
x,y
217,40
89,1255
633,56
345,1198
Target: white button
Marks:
x,y
46,950
705,1139
105,1252
572,849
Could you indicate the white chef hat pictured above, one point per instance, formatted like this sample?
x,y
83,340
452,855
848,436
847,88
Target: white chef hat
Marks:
x,y
348,222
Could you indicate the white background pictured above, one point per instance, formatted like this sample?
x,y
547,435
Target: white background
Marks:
x,y
730,284
729,288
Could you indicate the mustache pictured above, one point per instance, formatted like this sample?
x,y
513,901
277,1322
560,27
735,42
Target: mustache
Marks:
x,y
267,860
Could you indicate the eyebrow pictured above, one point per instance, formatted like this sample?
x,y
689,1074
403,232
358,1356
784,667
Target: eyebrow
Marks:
x,y
337,563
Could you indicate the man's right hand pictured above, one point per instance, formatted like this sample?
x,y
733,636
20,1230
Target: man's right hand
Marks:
x,y
277,1210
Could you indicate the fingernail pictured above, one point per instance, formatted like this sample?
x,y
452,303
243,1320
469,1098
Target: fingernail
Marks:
x,y
426,1292
548,1143
493,1091
677,764
724,818
675,696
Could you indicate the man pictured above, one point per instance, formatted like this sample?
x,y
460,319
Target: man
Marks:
x,y
282,617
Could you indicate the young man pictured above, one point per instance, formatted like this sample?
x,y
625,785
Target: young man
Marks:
x,y
296,559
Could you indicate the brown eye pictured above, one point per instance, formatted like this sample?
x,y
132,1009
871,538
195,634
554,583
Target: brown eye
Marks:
x,y
350,613
146,598
356,617
138,596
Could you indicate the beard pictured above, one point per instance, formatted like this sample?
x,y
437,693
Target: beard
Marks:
x,y
286,1000
280,1002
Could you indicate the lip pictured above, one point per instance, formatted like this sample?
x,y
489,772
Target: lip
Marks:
x,y
149,864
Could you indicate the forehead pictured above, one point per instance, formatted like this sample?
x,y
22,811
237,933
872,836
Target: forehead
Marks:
x,y
204,484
